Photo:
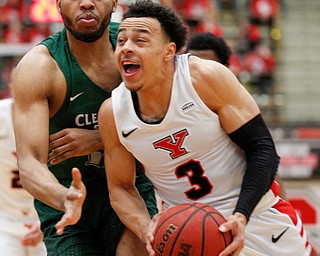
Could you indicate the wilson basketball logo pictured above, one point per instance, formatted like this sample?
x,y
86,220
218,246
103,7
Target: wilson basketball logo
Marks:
x,y
160,246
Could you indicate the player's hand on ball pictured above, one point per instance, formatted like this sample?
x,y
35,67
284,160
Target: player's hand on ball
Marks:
x,y
73,202
236,224
150,233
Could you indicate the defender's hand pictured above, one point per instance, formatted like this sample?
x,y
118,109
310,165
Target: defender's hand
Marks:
x,y
73,202
72,142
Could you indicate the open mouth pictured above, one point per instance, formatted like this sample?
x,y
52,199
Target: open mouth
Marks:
x,y
130,67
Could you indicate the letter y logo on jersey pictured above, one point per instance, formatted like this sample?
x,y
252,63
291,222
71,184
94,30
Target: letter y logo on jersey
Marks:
x,y
173,144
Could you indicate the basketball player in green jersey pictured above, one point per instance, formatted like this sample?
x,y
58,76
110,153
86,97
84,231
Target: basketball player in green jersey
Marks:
x,y
59,86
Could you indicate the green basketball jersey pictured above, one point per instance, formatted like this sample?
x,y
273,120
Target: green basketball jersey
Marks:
x,y
80,107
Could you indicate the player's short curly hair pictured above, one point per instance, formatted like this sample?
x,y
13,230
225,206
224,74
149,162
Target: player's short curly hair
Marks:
x,y
208,41
171,23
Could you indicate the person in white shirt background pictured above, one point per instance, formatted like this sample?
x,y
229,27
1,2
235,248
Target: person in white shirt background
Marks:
x,y
20,233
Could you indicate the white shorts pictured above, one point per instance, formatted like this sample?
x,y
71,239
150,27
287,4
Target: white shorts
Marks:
x,y
276,231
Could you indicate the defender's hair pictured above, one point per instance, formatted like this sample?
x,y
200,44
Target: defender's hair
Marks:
x,y
208,41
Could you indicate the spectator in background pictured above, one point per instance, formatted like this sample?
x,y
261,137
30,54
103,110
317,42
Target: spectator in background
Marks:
x,y
14,31
211,47
20,232
247,37
264,12
199,15
11,16
260,64
11,8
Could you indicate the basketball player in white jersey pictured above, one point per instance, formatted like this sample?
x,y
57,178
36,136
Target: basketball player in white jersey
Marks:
x,y
20,233
210,47
199,135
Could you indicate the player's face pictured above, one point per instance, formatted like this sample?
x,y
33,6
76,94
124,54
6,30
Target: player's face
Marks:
x,y
87,20
141,51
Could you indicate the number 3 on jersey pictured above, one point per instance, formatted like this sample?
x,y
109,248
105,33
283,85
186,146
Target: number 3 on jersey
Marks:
x,y
201,185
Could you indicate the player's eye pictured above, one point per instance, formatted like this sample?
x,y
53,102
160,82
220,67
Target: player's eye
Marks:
x,y
120,40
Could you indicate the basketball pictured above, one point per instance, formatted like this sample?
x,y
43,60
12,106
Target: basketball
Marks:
x,y
190,229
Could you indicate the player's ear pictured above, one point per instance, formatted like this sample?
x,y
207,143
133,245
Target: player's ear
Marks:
x,y
170,51
115,4
58,6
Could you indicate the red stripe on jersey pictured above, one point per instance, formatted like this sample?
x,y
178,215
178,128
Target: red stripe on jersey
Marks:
x,y
286,208
275,188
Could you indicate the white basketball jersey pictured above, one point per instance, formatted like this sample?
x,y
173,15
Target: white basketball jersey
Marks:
x,y
188,156
15,201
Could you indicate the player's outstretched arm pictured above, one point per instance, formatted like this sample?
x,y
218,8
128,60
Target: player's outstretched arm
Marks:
x,y
35,90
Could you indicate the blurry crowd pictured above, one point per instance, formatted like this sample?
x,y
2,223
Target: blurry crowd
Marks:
x,y
16,25
252,39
